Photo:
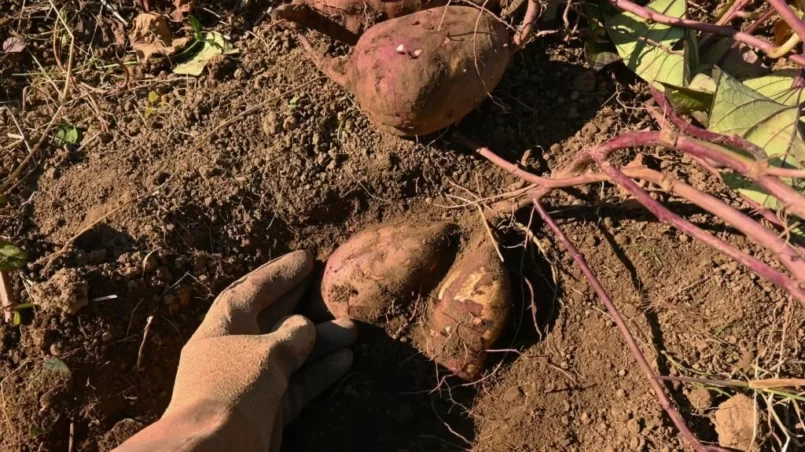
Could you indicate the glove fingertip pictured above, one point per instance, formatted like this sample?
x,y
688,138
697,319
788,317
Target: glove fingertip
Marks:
x,y
298,332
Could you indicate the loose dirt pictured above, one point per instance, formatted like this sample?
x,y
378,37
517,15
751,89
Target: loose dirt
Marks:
x,y
261,155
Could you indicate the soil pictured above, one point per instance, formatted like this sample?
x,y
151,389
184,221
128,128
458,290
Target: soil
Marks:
x,y
164,203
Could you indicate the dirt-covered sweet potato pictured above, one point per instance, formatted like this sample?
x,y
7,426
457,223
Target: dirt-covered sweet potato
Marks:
x,y
382,266
474,301
425,71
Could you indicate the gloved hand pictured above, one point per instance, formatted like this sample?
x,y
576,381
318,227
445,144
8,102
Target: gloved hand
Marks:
x,y
250,367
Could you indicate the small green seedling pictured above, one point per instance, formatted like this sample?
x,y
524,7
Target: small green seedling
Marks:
x,y
16,317
12,257
212,44
67,135
153,104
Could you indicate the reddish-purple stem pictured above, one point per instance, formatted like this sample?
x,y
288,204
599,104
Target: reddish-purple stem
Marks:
x,y
784,252
788,15
665,215
793,201
736,141
736,7
707,41
787,255
665,402
531,16
689,129
746,38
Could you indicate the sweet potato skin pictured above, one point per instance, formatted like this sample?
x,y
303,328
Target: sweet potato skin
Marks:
x,y
474,303
425,71
382,266
422,72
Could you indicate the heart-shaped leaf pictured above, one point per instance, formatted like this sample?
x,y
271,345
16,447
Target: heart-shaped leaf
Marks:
x,y
648,49
775,127
779,87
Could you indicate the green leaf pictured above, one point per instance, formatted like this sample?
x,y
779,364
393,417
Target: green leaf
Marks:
x,y
196,26
54,364
687,100
153,97
777,86
11,257
740,110
648,49
16,318
698,96
600,54
67,134
214,44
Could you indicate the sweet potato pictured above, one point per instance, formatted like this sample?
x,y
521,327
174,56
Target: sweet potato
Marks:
x,y
382,266
473,307
425,71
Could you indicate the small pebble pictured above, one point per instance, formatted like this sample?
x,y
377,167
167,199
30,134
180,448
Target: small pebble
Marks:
x,y
622,239
289,124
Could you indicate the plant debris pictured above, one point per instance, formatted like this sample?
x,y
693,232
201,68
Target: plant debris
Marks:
x,y
151,35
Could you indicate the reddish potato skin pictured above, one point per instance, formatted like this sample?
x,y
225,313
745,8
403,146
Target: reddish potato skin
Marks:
x,y
382,266
474,303
420,73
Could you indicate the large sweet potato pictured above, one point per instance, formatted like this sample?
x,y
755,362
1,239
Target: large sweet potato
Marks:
x,y
425,71
382,266
473,308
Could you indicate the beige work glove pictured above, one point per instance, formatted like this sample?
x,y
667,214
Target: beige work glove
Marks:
x,y
251,366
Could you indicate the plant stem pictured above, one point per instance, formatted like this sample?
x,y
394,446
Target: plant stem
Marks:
x,y
665,402
704,381
532,13
746,38
789,16
793,201
704,134
6,296
665,215
786,254
736,7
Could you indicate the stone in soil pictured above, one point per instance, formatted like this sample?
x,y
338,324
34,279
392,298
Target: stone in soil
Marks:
x,y
735,422
65,291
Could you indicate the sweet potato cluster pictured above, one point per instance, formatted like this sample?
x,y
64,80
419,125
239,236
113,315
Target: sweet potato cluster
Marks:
x,y
468,296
